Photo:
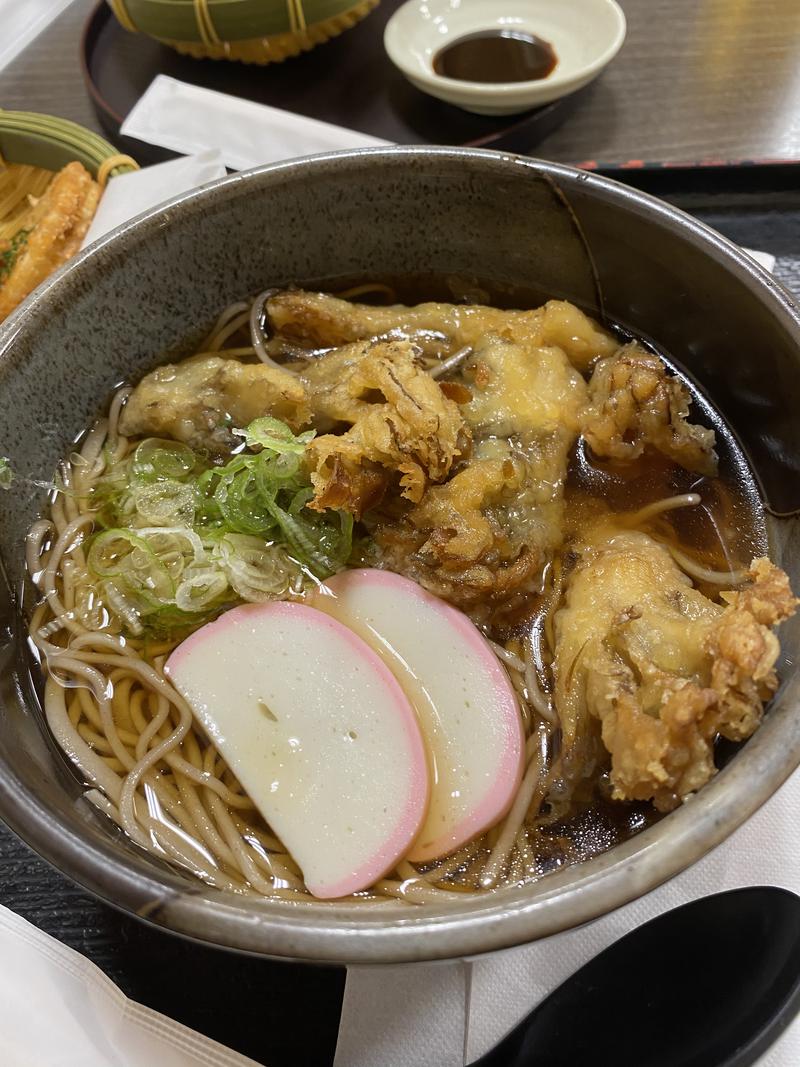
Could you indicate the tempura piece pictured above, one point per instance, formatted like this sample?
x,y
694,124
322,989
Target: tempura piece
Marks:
x,y
59,224
329,385
744,649
634,404
317,320
492,527
488,531
663,668
203,399
402,425
455,517
522,390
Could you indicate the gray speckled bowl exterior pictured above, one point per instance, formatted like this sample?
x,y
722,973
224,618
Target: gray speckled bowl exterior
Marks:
x,y
493,221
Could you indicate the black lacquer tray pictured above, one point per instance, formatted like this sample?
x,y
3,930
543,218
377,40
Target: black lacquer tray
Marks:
x,y
348,81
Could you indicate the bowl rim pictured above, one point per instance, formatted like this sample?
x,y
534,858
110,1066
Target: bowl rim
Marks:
x,y
340,933
557,84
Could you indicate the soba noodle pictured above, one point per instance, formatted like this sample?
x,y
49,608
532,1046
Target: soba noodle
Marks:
x,y
151,769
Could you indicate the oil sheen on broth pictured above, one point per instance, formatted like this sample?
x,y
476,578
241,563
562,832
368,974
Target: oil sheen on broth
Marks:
x,y
513,464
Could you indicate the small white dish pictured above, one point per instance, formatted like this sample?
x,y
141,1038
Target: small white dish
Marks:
x,y
585,34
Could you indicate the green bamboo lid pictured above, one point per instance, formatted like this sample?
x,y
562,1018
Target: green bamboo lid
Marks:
x,y
50,142
231,20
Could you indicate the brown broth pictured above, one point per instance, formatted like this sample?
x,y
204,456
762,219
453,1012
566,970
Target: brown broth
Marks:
x,y
726,531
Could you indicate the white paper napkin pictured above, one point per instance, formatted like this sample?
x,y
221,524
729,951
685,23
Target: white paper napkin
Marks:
x,y
130,194
764,259
186,118
58,1010
22,22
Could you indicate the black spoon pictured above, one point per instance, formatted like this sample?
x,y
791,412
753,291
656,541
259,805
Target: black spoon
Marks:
x,y
711,984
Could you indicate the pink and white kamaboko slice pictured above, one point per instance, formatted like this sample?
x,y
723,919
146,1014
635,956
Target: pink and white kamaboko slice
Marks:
x,y
318,731
465,701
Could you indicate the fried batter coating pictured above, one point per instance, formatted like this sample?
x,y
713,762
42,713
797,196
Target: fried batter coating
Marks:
x,y
634,403
318,320
663,668
62,218
329,385
488,531
201,400
454,515
522,389
491,528
744,649
439,557
402,424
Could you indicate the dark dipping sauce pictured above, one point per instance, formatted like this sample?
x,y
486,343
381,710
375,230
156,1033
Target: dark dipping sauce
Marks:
x,y
496,56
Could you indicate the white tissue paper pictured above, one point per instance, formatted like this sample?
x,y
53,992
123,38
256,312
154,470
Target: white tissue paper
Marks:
x,y
186,118
58,1010
129,194
22,22
764,259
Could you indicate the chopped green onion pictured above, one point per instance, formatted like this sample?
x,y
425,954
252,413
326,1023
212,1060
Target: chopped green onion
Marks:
x,y
165,502
6,473
181,539
132,563
201,590
110,549
274,435
9,257
154,460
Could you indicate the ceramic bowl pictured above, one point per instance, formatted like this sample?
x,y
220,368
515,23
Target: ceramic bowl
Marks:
x,y
585,34
479,222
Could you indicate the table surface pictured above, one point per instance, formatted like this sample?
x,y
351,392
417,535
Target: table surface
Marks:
x,y
696,80
736,98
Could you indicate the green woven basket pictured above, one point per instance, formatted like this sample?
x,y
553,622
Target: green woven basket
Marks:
x,y
251,31
51,143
